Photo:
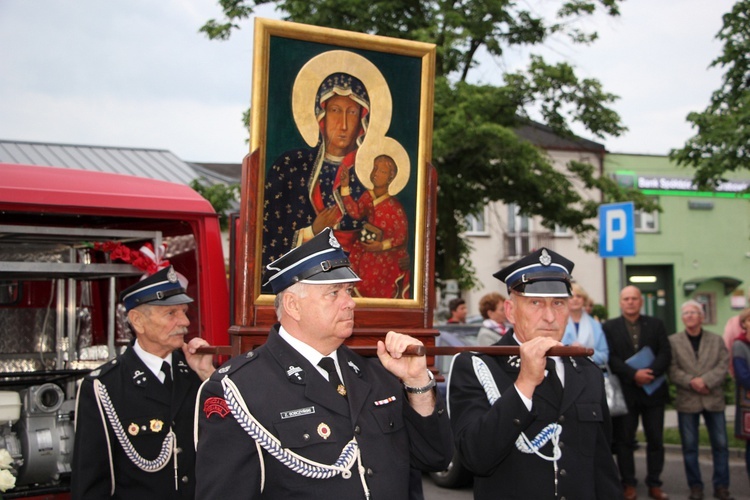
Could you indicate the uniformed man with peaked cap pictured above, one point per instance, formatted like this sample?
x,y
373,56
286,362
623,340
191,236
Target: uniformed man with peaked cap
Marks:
x,y
304,417
134,415
532,426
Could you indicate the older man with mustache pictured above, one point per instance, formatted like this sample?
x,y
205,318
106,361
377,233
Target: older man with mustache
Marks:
x,y
134,417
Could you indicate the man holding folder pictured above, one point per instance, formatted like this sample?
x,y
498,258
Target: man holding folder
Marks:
x,y
639,354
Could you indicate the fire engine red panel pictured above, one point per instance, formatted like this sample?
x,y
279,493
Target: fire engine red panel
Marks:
x,y
90,191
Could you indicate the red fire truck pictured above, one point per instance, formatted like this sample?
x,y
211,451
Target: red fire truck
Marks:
x,y
67,244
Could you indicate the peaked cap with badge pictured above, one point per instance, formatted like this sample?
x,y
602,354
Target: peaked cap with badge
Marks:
x,y
162,288
543,273
320,261
563,429
271,426
130,448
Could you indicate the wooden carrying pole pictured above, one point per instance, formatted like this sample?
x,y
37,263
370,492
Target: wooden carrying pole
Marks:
x,y
420,350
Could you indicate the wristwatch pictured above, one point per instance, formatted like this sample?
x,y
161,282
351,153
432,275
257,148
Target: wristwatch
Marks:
x,y
422,390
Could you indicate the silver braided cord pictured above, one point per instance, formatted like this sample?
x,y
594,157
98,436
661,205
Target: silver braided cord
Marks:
x,y
523,444
167,446
485,379
269,442
551,432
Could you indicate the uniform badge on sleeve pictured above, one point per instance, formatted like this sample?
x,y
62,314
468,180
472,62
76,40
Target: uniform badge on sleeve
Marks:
x,y
215,405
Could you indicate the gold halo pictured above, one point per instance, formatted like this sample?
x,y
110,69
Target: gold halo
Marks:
x,y
383,146
317,69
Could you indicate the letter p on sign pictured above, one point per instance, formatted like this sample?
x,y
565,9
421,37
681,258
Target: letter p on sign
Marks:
x,y
617,230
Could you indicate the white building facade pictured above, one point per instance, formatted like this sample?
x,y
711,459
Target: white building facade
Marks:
x,y
502,236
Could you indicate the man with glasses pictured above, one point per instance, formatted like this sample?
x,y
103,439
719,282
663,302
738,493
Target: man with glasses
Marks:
x,y
700,362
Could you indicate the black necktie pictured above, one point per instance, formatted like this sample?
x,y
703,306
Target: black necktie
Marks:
x,y
333,377
552,376
167,375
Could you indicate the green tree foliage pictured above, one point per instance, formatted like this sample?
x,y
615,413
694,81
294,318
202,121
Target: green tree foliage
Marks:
x,y
220,196
722,141
478,156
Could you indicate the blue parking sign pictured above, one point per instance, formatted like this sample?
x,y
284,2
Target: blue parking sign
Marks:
x,y
617,230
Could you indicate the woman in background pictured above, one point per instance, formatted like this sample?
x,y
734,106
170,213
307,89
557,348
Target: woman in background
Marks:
x,y
494,324
741,364
582,329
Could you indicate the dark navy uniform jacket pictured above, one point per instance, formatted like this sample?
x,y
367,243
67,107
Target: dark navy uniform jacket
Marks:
x,y
486,435
144,408
296,404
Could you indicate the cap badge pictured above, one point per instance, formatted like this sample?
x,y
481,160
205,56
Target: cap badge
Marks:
x,y
172,275
545,258
333,241
324,431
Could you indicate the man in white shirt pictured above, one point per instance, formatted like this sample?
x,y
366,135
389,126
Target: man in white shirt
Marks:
x,y
303,416
135,414
531,426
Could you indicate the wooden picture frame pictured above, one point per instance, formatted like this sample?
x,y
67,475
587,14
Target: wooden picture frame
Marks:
x,y
295,68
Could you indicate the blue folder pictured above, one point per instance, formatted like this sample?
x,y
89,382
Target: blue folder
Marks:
x,y
644,359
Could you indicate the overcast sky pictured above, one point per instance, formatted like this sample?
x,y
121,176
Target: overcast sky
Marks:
x,y
137,73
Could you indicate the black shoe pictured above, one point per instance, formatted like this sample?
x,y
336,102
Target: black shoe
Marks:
x,y
722,493
696,493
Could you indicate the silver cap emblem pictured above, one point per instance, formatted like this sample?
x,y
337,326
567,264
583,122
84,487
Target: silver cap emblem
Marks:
x,y
545,259
333,241
171,275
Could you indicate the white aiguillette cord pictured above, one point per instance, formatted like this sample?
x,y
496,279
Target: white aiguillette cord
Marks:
x,y
107,411
299,464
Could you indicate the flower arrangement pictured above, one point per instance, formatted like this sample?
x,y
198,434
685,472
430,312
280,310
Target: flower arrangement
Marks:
x,y
145,259
7,479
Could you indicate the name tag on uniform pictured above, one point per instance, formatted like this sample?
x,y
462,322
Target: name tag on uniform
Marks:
x,y
297,413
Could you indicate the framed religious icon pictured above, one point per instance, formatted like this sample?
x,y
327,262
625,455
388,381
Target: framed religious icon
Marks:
x,y
341,129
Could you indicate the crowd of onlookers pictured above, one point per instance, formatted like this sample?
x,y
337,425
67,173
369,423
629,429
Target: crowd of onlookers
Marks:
x,y
637,349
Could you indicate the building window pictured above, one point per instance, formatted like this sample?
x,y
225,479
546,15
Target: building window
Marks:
x,y
475,224
562,231
646,222
708,301
518,238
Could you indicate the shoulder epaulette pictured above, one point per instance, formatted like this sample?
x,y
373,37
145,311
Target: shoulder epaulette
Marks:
x,y
235,364
103,369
